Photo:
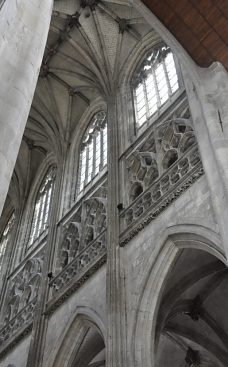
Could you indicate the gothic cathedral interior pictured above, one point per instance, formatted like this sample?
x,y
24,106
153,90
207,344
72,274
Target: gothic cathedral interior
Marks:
x,y
113,183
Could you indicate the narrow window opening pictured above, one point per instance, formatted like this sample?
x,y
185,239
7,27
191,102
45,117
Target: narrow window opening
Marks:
x,y
154,83
6,237
93,155
42,207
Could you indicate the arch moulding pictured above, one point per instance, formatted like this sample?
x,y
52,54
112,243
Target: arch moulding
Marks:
x,y
157,268
69,343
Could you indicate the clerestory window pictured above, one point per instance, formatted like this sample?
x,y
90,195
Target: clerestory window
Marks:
x,y
93,153
6,237
42,206
155,82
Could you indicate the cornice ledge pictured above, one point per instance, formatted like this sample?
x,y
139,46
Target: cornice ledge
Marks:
x,y
173,195
73,285
15,339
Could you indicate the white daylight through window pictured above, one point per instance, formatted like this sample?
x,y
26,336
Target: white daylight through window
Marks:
x,y
42,207
6,236
93,154
154,83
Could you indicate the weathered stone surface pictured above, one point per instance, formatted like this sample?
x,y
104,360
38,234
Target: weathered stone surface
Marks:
x,y
24,28
130,269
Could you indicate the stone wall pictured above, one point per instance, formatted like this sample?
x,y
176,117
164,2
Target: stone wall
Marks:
x,y
105,257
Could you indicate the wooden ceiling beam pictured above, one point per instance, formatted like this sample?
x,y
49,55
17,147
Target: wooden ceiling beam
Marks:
x,y
201,27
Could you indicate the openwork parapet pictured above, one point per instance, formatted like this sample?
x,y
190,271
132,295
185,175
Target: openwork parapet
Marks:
x,y
20,302
19,325
160,195
85,259
162,165
82,245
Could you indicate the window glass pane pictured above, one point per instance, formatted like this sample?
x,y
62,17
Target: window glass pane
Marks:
x,y
98,153
140,104
6,237
105,145
139,90
41,214
162,83
47,205
152,105
91,159
151,95
90,162
83,169
42,207
142,119
142,112
154,81
172,74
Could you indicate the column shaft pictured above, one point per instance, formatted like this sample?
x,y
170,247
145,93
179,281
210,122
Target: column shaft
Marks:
x,y
208,106
24,28
116,346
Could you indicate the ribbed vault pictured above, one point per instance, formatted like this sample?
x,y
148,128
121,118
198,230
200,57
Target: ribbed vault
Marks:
x,y
192,323
88,46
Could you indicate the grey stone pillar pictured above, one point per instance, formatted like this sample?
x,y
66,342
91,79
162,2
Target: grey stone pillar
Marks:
x,y
116,333
208,102
24,28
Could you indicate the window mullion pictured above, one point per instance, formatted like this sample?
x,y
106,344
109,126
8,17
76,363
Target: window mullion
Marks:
x,y
156,88
167,78
5,237
43,214
102,147
94,152
146,99
86,166
178,72
105,148
136,104
34,223
79,185
46,205
40,217
3,245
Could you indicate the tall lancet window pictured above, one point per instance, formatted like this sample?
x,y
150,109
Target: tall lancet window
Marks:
x,y
6,237
42,206
155,82
93,153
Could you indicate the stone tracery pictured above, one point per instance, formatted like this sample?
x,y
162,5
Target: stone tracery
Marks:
x,y
160,162
167,158
155,81
21,297
82,238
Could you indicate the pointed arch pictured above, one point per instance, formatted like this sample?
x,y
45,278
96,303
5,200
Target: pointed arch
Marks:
x,y
69,345
157,270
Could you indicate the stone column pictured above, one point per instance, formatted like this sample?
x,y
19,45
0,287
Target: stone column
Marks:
x,y
208,101
24,28
116,333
